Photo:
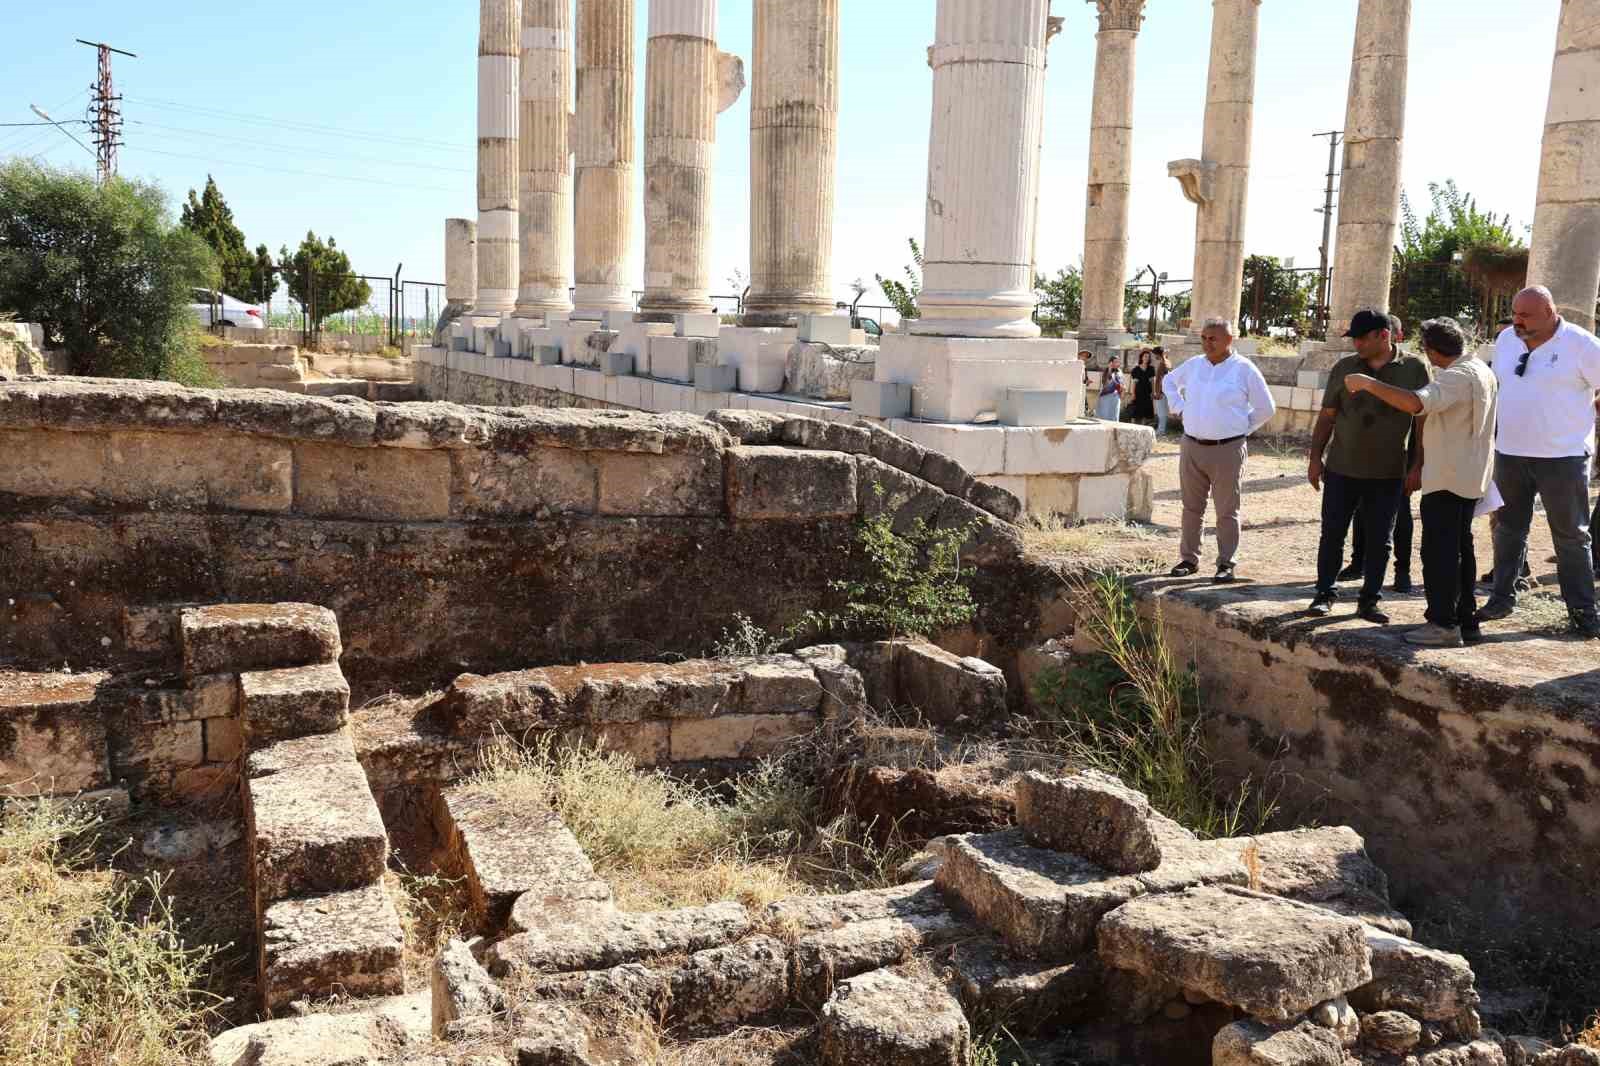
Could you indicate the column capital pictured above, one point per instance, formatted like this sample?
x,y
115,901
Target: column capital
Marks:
x,y
1120,14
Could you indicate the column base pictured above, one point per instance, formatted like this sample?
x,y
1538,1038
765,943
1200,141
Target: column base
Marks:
x,y
957,379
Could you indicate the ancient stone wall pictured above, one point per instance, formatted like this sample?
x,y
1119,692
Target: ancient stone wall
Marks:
x,y
449,538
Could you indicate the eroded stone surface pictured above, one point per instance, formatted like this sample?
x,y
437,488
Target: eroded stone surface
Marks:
x,y
233,637
883,1019
946,687
293,702
731,984
991,980
461,989
1089,814
811,914
823,959
1425,983
346,943
52,734
617,938
313,829
1249,1043
318,749
359,1038
1391,1032
552,1034
1327,866
1270,957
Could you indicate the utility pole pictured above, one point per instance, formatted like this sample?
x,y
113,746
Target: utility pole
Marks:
x,y
105,112
1326,211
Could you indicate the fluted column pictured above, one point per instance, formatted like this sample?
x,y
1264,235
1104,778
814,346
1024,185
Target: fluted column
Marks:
x,y
1219,182
605,157
1369,189
1105,228
687,83
545,159
1566,225
498,29
794,123
983,172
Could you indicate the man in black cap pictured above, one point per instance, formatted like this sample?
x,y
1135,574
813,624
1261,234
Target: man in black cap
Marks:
x,y
1404,527
1360,458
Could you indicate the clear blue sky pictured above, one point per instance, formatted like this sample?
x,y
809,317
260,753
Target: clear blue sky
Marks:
x,y
356,118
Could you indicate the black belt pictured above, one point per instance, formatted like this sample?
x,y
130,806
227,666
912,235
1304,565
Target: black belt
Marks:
x,y
1213,443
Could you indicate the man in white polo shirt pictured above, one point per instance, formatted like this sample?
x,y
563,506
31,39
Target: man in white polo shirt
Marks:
x,y
1222,399
1549,372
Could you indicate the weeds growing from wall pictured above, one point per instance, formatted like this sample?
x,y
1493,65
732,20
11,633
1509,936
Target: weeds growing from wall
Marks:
x,y
1132,709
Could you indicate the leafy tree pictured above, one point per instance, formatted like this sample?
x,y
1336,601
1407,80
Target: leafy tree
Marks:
x,y
1430,276
210,217
1453,225
104,268
1060,299
903,295
320,279
1285,297
263,278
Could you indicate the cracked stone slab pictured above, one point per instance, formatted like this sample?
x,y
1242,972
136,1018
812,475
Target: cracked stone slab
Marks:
x,y
1089,814
1425,983
618,937
348,943
1327,866
1270,957
884,1019
235,637
293,702
823,959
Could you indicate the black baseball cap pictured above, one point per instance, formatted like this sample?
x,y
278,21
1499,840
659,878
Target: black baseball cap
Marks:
x,y
1365,322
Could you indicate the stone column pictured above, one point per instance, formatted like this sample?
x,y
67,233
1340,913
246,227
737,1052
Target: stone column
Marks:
x,y
688,82
794,122
460,262
545,159
983,173
1566,225
1219,182
605,155
1105,228
1369,188
498,29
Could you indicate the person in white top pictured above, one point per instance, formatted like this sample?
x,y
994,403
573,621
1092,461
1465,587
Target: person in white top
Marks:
x,y
1222,399
1549,372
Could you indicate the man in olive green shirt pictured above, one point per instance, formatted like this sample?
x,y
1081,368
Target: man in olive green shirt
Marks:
x,y
1366,464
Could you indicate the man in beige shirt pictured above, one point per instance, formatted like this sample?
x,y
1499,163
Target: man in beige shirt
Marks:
x,y
1457,470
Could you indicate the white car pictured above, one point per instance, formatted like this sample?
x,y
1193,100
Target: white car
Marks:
x,y
215,308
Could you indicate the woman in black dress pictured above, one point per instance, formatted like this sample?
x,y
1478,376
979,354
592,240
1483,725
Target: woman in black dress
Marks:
x,y
1143,407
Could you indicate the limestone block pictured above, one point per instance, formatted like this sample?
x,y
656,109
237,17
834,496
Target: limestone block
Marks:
x,y
504,850
675,358
224,739
882,1019
688,484
1085,449
1391,1032
554,378
616,364
994,983
763,369
619,937
318,749
313,829
52,734
880,399
392,484
884,490
1044,904
634,692
1089,814
825,329
1249,1043
980,450
826,371
826,436
719,379
824,958
637,339
227,638
1104,497
844,692
147,748
346,942
630,391
293,702
546,355
1003,497
461,989
696,325
1328,867
1034,407
730,984
590,384
753,736
1425,983
775,684
956,379
358,1038
892,447
802,915
1270,957
766,482
947,688
540,482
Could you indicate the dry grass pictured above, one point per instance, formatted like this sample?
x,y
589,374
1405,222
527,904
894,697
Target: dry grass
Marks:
x,y
433,910
662,842
92,971
1590,1037
1130,546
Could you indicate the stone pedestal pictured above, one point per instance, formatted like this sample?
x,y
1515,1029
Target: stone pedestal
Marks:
x,y
545,159
794,120
1369,188
956,379
604,158
1219,182
1566,226
983,169
499,29
1105,247
460,273
688,82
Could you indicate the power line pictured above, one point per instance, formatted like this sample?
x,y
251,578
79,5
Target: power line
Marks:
x,y
252,142
302,127
15,138
63,122
289,170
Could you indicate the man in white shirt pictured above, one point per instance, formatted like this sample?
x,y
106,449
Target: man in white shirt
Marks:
x,y
1222,399
1549,371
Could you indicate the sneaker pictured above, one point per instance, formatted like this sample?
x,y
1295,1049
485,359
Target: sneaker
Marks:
x,y
1432,636
1225,575
1402,584
1321,605
1493,612
1369,612
1184,569
1351,572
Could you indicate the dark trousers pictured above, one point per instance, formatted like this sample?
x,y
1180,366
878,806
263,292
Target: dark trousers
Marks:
x,y
1379,500
1563,486
1449,564
1404,534
1594,536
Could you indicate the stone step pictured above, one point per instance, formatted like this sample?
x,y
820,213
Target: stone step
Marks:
x,y
1270,957
1046,904
504,852
1029,995
234,637
1327,866
800,915
885,1019
823,959
293,702
347,943
614,938
53,738
312,829
357,1038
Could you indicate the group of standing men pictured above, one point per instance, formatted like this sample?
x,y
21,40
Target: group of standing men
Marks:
x,y
1466,437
